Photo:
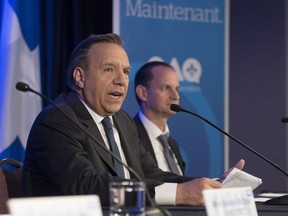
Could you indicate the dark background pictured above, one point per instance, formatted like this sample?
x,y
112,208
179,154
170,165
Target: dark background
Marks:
x,y
258,81
64,24
258,86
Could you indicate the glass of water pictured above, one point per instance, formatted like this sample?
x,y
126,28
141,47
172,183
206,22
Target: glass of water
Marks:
x,y
127,198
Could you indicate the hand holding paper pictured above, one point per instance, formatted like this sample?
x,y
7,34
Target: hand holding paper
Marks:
x,y
239,178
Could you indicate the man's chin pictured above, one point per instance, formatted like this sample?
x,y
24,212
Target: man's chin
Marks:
x,y
113,109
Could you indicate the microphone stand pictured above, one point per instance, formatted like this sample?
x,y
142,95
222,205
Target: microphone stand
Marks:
x,y
283,200
155,210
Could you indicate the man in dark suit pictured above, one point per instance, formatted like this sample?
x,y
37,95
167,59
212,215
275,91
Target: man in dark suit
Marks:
x,y
62,159
156,87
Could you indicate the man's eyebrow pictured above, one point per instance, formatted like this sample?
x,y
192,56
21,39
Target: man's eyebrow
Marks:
x,y
128,68
109,64
114,64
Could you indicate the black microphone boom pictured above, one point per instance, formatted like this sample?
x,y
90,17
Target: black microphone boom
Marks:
x,y
279,200
151,210
177,108
21,86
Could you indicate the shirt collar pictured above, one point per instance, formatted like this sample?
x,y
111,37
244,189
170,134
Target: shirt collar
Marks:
x,y
151,128
97,118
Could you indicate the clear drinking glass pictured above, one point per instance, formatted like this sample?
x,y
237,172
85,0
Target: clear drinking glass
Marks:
x,y
127,198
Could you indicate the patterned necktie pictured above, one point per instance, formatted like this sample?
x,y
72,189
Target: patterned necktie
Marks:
x,y
168,154
113,146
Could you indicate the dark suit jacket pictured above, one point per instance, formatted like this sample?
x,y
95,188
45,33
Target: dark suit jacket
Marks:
x,y
148,145
62,159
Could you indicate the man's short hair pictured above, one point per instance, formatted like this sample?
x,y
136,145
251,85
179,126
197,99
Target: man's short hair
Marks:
x,y
79,56
144,75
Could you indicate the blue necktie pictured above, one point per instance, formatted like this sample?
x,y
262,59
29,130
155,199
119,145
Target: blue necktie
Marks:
x,y
110,136
168,154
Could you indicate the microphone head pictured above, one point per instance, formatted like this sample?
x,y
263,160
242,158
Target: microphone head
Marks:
x,y
175,107
22,86
284,119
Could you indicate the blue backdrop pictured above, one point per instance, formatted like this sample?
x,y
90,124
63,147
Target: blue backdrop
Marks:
x,y
191,36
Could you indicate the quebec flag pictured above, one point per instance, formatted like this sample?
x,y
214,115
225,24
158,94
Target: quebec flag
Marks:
x,y
19,61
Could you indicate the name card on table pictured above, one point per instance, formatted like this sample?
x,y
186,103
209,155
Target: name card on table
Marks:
x,y
230,202
82,205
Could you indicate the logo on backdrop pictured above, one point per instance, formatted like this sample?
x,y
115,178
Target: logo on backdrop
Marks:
x,y
172,12
189,73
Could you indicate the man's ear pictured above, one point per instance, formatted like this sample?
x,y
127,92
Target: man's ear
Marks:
x,y
78,75
141,92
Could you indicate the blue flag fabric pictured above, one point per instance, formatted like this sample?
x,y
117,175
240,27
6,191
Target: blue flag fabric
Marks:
x,y
19,61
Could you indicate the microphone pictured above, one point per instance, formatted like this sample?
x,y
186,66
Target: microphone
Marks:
x,y
283,200
284,120
22,86
155,209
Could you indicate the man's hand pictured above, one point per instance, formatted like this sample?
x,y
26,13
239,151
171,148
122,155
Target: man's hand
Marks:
x,y
239,165
190,193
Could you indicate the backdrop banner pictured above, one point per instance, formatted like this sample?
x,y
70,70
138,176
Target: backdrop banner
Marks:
x,y
192,37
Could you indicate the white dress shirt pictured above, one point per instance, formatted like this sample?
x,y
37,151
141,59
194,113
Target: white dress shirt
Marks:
x,y
165,194
98,120
154,132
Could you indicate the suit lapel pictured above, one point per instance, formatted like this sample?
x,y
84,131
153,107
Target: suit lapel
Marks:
x,y
148,145
98,143
144,137
89,125
127,138
175,150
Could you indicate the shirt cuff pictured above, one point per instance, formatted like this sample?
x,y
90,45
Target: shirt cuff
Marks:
x,y
165,194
